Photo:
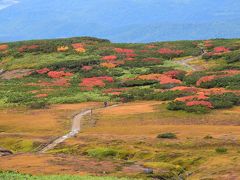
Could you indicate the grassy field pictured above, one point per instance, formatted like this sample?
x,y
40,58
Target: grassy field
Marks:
x,y
24,130
124,141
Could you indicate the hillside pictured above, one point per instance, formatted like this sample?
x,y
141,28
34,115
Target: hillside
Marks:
x,y
175,110
37,73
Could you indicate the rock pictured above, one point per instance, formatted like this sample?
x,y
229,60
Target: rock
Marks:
x,y
148,171
4,152
1,71
18,73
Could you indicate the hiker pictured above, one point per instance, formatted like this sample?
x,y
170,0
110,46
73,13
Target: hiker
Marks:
x,y
105,104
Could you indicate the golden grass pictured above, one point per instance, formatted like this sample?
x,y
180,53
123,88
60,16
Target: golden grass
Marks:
x,y
36,125
207,64
133,127
151,118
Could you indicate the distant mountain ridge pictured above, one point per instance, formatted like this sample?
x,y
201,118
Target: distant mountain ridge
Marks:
x,y
121,20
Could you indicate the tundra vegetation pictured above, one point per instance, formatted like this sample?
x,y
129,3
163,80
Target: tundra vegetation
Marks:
x,y
173,97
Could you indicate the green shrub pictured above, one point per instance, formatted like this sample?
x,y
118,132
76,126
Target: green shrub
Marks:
x,y
138,94
167,136
194,77
176,105
221,150
197,109
169,95
208,137
38,105
133,83
102,153
230,82
226,100
233,57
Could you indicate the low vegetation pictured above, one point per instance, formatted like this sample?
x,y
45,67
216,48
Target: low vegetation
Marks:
x,y
18,176
173,121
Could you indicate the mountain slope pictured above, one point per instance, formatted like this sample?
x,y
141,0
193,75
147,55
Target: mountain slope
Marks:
x,y
123,21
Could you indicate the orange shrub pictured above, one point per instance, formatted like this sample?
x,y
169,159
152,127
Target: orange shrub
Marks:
x,y
199,103
108,65
62,48
77,45
3,47
163,79
80,50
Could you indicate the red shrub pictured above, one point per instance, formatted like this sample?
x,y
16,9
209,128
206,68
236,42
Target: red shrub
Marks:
x,y
167,51
185,88
200,96
124,51
163,79
95,81
205,79
78,45
144,51
200,103
173,73
221,49
129,59
132,55
59,74
109,58
87,68
25,48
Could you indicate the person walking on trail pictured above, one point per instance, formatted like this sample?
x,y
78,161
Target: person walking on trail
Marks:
x,y
105,104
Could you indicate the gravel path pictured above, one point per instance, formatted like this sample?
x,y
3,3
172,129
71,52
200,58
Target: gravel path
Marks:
x,y
185,62
75,129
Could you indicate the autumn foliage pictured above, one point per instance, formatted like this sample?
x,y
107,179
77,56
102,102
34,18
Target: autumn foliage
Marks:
x,y
205,79
199,96
221,49
167,51
199,103
87,68
3,47
62,48
162,78
59,74
95,82
109,58
26,48
108,65
124,51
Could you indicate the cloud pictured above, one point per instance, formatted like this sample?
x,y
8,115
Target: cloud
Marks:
x,y
6,3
